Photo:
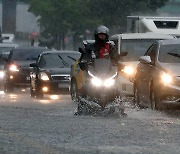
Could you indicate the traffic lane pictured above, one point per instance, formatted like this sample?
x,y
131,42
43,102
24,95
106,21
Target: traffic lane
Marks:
x,y
30,126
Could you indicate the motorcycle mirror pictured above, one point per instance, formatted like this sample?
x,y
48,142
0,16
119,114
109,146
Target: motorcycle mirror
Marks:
x,y
81,50
83,65
33,65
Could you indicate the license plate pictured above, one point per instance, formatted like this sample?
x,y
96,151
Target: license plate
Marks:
x,y
28,78
59,85
62,85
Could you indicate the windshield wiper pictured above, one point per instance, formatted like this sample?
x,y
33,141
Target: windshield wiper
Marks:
x,y
71,58
174,54
63,61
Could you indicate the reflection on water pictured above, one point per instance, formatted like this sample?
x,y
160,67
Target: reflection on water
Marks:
x,y
13,96
23,90
45,101
54,97
2,93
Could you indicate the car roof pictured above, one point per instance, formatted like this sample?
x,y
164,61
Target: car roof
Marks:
x,y
9,45
30,48
166,42
143,36
61,51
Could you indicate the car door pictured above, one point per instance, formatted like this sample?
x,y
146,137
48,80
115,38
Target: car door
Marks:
x,y
146,71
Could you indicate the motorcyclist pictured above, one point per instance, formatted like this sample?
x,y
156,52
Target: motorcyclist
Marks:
x,y
101,48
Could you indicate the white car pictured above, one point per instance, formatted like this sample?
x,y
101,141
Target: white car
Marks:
x,y
131,46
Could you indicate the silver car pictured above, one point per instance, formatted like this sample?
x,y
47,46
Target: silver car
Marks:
x,y
157,81
131,46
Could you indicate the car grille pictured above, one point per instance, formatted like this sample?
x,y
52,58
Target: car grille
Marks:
x,y
60,77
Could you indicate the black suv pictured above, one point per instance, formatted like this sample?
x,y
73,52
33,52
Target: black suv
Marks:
x,y
17,70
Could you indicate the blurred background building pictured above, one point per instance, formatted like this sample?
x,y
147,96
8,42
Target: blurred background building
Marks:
x,y
18,20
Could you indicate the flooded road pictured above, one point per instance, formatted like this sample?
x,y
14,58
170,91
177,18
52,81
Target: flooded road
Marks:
x,y
49,125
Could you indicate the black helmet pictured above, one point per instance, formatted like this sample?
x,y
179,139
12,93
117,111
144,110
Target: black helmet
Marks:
x,y
101,30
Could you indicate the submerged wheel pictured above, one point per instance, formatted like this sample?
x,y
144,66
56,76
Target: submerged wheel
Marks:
x,y
136,100
38,92
74,92
32,93
154,101
8,88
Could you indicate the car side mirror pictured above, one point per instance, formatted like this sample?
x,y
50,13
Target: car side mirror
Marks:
x,y
5,59
33,65
145,59
83,65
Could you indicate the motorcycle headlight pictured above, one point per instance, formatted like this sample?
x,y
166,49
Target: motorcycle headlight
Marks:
x,y
1,74
129,70
109,82
166,78
96,82
13,68
99,82
44,76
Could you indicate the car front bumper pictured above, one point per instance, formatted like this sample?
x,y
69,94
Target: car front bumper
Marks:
x,y
170,94
18,79
54,87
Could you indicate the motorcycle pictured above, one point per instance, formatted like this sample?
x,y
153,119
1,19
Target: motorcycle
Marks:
x,y
99,91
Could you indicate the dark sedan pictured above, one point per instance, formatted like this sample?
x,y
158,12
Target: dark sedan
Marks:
x,y
157,81
17,66
51,72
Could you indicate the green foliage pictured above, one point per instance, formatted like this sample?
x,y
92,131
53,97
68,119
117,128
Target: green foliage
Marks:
x,y
61,16
114,12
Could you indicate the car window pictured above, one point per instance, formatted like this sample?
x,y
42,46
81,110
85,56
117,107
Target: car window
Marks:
x,y
135,48
169,53
4,52
62,60
25,54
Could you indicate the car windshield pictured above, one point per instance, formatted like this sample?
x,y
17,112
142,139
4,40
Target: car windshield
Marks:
x,y
62,60
135,48
26,54
169,53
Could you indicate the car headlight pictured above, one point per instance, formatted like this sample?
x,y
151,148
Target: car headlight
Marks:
x,y
1,74
128,70
44,76
166,78
13,68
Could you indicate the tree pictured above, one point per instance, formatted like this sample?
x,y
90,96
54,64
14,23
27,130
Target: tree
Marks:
x,y
9,16
59,17
114,12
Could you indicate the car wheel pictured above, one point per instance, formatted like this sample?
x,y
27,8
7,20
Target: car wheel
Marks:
x,y
136,100
154,101
38,92
8,88
74,92
32,92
